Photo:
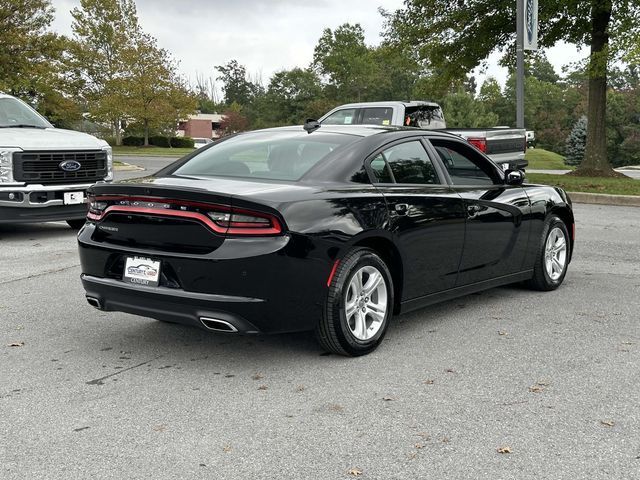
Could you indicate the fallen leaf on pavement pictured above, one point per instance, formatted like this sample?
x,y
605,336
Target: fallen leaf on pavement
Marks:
x,y
257,376
500,332
504,450
16,344
262,387
300,388
388,399
354,472
226,449
428,382
608,423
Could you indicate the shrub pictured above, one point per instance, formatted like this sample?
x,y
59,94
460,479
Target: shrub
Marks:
x,y
181,142
132,141
577,142
159,141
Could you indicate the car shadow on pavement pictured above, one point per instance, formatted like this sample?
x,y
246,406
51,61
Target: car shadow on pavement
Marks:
x,y
33,231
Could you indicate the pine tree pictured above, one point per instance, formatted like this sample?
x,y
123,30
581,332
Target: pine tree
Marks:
x,y
576,142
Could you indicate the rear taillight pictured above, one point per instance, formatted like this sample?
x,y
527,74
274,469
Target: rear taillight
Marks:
x,y
96,208
222,219
245,222
479,143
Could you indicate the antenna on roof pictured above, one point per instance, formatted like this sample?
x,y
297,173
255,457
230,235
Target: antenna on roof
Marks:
x,y
311,125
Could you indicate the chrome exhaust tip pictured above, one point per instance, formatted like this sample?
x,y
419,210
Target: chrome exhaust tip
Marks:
x,y
94,302
218,325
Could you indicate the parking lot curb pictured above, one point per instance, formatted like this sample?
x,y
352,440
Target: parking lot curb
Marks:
x,y
604,199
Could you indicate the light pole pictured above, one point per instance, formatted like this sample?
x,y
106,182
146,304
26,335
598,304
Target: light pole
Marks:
x,y
520,63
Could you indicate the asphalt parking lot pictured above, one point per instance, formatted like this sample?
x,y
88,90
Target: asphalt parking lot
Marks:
x,y
551,377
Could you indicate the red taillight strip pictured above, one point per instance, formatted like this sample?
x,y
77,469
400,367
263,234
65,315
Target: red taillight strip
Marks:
x,y
275,229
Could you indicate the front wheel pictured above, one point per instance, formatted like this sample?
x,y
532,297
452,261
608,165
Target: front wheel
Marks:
x,y
359,305
552,257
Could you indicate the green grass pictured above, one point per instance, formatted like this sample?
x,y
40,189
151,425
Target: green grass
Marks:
x,y
151,151
540,159
611,186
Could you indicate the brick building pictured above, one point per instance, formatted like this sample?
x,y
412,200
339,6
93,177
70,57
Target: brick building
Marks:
x,y
202,125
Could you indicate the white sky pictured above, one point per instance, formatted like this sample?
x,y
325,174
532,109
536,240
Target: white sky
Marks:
x,y
265,36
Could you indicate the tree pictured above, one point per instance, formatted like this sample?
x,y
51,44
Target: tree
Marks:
x,y
155,95
233,120
27,49
288,96
103,31
33,63
455,37
576,142
345,60
235,84
463,110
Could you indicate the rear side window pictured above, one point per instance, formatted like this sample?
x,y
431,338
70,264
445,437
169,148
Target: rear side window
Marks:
x,y
377,116
265,155
341,117
404,163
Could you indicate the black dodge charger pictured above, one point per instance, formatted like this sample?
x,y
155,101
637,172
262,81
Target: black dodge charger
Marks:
x,y
331,228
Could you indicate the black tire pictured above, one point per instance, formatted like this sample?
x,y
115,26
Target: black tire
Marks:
x,y
333,332
76,224
541,279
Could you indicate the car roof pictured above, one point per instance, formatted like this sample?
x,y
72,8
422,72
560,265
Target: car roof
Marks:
x,y
414,103
364,130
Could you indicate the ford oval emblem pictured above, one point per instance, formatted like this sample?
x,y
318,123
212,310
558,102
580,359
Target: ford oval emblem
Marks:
x,y
70,166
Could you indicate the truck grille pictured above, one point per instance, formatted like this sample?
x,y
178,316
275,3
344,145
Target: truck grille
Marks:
x,y
45,167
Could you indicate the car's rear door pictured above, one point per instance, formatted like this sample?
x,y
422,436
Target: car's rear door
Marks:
x,y
497,225
426,215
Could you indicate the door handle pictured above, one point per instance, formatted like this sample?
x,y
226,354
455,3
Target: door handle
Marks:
x,y
401,208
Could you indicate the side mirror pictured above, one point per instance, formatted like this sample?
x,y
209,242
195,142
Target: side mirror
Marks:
x,y
514,177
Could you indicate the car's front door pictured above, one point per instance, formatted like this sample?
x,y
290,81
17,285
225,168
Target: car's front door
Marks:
x,y
497,226
426,216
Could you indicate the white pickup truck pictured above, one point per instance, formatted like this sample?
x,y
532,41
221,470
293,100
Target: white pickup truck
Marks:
x,y
45,171
505,146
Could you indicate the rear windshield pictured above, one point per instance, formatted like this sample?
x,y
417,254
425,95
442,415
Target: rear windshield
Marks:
x,y
425,116
269,155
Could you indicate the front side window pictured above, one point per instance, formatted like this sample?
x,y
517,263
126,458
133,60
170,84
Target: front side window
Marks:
x,y
265,155
341,117
404,163
464,165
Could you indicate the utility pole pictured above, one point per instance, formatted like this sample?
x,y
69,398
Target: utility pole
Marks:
x,y
520,63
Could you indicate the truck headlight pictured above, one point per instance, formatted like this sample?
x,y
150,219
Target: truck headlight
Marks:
x,y
6,164
109,152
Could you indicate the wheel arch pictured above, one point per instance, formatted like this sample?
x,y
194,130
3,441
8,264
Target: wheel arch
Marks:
x,y
566,215
391,256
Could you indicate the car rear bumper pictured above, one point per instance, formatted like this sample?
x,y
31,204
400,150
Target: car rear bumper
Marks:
x,y
173,305
270,285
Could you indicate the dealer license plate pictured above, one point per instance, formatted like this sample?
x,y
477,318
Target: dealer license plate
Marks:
x,y
142,271
73,198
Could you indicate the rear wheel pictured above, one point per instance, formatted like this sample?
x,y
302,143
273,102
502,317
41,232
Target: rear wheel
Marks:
x,y
553,256
76,224
359,305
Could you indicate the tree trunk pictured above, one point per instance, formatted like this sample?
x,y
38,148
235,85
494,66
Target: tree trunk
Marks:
x,y
146,133
595,161
118,131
